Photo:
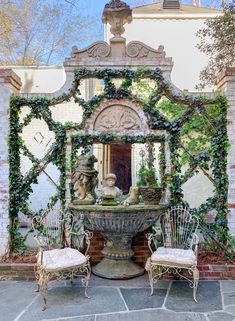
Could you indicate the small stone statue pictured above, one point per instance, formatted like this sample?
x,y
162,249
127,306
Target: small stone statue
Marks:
x,y
85,179
110,189
133,197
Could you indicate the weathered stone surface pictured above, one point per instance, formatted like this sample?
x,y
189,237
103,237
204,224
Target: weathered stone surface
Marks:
x,y
220,316
118,225
229,298
117,118
230,309
227,286
140,282
155,315
69,301
139,298
14,297
83,318
180,298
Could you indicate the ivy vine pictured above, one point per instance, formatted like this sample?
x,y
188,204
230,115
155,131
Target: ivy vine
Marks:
x,y
178,115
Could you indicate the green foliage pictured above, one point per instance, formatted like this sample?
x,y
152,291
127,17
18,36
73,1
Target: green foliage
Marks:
x,y
196,135
147,177
16,244
217,41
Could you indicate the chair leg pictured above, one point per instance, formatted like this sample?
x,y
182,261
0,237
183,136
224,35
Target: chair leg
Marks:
x,y
195,282
86,279
71,281
38,288
150,273
148,268
43,287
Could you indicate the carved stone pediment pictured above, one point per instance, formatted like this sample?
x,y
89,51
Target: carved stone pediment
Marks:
x,y
137,49
117,118
99,49
120,116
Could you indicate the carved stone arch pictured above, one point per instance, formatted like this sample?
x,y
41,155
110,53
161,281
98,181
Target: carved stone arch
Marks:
x,y
119,117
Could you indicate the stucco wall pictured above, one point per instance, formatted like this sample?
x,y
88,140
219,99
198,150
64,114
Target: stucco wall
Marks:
x,y
40,79
178,36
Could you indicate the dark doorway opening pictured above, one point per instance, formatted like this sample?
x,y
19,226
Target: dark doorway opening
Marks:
x,y
120,164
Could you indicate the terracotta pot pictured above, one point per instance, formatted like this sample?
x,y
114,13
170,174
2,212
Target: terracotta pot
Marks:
x,y
151,195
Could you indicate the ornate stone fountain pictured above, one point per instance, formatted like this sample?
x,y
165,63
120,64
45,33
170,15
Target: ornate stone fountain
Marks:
x,y
118,225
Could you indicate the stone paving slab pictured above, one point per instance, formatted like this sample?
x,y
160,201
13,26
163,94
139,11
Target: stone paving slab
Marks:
x,y
139,298
230,309
229,298
127,300
156,315
141,281
14,297
228,286
180,298
220,316
69,301
83,318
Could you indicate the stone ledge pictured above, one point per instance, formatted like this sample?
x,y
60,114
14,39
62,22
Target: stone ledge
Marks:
x,y
9,76
25,272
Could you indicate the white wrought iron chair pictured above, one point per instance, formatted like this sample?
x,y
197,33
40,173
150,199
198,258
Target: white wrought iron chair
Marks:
x,y
56,259
179,250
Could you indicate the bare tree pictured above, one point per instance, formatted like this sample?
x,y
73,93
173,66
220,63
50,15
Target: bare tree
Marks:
x,y
217,41
42,32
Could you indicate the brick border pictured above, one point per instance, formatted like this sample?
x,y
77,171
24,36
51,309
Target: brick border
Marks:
x,y
25,272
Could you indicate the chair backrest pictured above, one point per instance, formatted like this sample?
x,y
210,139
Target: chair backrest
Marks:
x,y
56,229
178,228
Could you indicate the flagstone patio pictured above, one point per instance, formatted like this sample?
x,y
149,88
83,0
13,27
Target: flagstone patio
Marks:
x,y
119,301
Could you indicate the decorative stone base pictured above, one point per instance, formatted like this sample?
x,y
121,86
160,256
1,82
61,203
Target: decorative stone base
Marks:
x,y
85,201
117,269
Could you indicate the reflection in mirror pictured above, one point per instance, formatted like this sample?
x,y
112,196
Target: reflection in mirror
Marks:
x,y
124,160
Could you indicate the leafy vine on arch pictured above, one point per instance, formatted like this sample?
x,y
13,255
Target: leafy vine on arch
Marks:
x,y
211,113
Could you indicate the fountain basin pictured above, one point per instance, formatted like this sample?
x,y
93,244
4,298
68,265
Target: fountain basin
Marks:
x,y
118,225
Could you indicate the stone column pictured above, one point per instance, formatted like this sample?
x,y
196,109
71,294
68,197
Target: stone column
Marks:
x,y
226,84
9,83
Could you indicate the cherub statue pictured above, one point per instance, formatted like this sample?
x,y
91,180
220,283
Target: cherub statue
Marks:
x,y
109,188
85,179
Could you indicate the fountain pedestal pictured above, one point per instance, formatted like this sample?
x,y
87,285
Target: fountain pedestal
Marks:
x,y
118,225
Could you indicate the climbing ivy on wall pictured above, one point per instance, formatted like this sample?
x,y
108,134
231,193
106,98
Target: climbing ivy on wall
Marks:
x,y
194,128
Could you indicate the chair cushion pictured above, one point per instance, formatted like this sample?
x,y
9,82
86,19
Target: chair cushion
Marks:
x,y
59,259
173,256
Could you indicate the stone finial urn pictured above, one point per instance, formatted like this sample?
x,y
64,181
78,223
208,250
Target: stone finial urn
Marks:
x,y
117,13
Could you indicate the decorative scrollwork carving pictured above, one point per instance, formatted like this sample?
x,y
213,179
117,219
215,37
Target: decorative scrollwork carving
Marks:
x,y
138,49
99,49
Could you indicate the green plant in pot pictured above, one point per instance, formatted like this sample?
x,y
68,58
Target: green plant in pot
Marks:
x,y
148,185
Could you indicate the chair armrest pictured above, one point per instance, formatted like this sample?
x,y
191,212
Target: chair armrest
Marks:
x,y
149,237
88,237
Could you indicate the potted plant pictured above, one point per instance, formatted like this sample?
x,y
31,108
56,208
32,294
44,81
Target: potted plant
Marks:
x,y
148,185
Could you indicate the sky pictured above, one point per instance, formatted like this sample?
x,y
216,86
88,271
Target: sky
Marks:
x,y
95,8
